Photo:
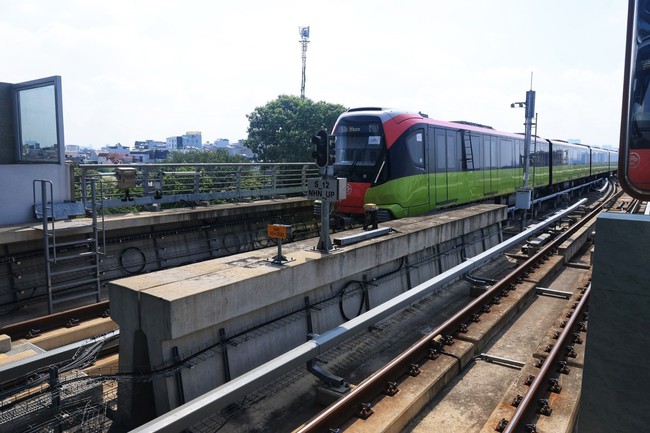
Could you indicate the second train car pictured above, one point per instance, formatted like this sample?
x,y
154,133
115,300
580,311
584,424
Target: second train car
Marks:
x,y
408,164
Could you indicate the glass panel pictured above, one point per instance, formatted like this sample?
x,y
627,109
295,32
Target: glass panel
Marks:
x,y
415,145
453,161
635,126
359,141
441,151
37,122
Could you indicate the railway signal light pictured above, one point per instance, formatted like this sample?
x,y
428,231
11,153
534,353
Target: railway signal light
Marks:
x,y
331,149
321,154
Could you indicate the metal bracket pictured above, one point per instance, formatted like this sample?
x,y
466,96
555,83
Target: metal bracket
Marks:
x,y
331,380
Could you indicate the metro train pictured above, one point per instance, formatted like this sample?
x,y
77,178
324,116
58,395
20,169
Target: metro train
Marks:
x,y
408,164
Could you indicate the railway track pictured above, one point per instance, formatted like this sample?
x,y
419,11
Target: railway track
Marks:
x,y
512,359
482,313
66,319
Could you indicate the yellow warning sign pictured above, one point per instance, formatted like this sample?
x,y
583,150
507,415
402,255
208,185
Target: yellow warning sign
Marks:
x,y
278,231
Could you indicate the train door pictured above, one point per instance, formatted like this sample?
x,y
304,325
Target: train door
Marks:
x,y
416,190
439,166
453,164
489,143
446,160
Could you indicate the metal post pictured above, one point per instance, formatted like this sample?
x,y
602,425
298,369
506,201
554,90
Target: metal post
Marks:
x,y
179,377
523,196
46,237
224,355
55,390
530,110
324,243
310,325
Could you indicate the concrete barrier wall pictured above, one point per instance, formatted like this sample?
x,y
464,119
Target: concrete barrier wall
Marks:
x,y
257,309
149,241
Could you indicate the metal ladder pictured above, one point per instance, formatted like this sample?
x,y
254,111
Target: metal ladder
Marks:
x,y
468,153
72,267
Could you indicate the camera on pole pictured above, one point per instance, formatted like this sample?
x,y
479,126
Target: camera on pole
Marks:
x,y
321,154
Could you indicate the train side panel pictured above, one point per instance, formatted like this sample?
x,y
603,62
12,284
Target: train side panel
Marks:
x,y
410,164
569,162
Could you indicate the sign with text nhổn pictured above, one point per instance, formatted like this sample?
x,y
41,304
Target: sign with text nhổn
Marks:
x,y
326,189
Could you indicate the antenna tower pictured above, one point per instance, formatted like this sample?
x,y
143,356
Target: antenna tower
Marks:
x,y
304,40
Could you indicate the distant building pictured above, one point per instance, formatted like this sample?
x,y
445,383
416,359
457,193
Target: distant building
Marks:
x,y
115,154
240,149
149,155
72,151
222,143
192,139
174,143
237,149
150,144
117,148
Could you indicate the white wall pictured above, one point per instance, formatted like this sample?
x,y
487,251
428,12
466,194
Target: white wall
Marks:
x,y
16,190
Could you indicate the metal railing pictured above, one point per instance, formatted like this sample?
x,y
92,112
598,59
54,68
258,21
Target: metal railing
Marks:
x,y
148,184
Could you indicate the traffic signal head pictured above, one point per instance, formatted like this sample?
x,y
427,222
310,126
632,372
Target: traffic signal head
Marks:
x,y
321,153
331,149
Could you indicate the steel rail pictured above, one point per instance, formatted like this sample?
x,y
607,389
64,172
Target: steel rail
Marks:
x,y
25,329
234,391
526,404
536,388
346,407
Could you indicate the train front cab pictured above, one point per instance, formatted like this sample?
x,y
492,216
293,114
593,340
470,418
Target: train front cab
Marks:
x,y
360,157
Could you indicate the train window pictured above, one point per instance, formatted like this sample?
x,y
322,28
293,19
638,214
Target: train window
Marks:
x,y
441,150
477,151
453,158
540,153
634,147
415,146
519,154
485,157
506,153
358,141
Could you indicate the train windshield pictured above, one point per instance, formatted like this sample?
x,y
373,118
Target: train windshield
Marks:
x,y
359,141
640,107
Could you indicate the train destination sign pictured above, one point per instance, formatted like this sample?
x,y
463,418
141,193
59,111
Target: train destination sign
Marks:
x,y
326,189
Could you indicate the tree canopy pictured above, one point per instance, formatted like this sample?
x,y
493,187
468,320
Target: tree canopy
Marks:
x,y
204,156
281,130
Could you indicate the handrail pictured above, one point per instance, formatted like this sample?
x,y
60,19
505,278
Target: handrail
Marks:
x,y
164,183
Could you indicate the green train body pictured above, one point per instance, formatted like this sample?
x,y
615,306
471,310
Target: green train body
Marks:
x,y
408,164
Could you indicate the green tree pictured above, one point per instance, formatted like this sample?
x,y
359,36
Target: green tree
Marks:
x,y
281,130
207,157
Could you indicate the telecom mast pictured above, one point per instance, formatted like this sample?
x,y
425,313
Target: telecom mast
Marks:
x,y
304,40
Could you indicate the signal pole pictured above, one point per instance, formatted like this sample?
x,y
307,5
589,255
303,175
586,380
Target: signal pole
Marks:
x,y
523,196
304,40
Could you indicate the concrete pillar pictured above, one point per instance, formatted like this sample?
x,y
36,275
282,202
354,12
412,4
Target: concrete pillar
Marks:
x,y
616,380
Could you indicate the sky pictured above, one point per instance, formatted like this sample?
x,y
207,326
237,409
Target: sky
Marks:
x,y
151,69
